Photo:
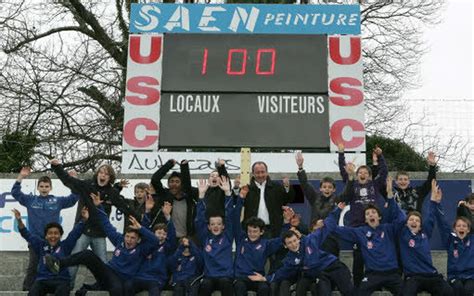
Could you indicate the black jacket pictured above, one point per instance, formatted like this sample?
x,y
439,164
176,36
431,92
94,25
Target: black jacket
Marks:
x,y
110,196
188,192
411,199
215,197
321,206
275,197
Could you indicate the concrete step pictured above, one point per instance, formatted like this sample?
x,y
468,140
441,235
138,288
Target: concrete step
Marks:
x,y
13,266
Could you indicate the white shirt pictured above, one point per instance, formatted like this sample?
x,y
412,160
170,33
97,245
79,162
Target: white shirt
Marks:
x,y
262,207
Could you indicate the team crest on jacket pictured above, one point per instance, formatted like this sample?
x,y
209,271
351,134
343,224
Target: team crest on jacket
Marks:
x,y
297,261
411,243
117,252
208,248
370,245
455,253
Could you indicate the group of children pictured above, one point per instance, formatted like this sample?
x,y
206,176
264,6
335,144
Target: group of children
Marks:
x,y
181,237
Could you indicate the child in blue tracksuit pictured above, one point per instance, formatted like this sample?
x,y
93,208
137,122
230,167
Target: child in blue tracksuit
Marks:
x,y
42,209
216,238
153,274
114,276
305,255
46,281
252,252
362,190
186,265
414,240
460,246
377,243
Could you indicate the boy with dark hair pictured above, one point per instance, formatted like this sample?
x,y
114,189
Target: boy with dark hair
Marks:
x,y
140,193
377,244
459,243
42,209
131,249
186,265
217,242
322,202
305,254
466,209
50,244
252,252
179,193
411,198
415,251
153,274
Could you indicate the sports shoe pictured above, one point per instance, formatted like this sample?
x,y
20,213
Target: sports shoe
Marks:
x,y
52,263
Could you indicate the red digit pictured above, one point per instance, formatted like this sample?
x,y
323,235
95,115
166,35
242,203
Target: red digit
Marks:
x,y
204,63
230,58
272,65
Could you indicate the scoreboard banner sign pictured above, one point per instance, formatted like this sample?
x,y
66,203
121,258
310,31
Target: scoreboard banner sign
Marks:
x,y
269,90
245,19
244,120
245,63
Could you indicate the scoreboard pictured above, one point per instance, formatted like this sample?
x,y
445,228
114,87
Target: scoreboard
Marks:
x,y
262,76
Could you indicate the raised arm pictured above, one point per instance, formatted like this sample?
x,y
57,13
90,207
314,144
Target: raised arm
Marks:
x,y
330,224
381,179
425,188
70,241
443,226
18,195
239,233
201,221
342,162
230,213
34,240
159,174
75,184
309,192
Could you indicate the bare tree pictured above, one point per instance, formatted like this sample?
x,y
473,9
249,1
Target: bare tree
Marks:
x,y
64,68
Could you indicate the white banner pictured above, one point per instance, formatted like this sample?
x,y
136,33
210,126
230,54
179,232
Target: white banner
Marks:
x,y
203,162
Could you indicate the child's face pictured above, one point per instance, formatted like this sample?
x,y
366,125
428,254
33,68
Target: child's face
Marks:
x,y
327,189
470,205
414,223
140,195
292,243
372,218
403,181
174,185
161,234
44,188
295,220
53,236
131,240
254,233
461,229
216,225
103,177
213,179
363,176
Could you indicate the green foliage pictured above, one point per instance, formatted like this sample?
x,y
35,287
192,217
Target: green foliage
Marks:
x,y
399,155
16,151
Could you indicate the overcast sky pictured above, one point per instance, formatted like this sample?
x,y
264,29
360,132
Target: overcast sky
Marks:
x,y
445,95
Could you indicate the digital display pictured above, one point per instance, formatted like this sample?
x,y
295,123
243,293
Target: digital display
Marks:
x,y
244,120
245,63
